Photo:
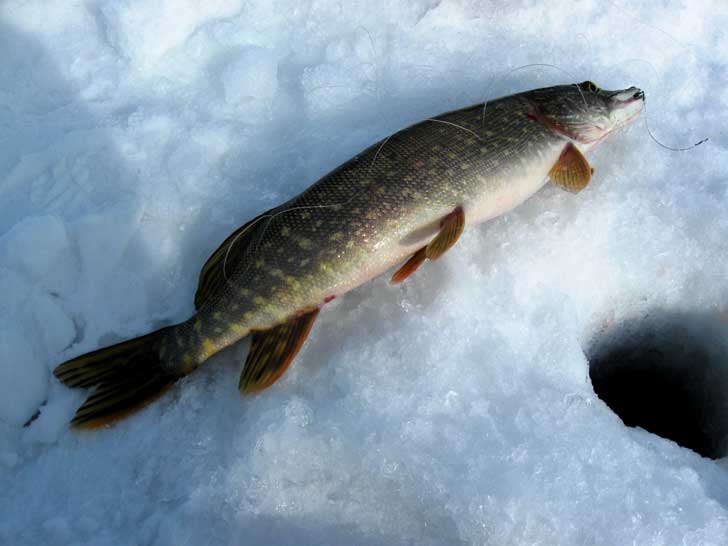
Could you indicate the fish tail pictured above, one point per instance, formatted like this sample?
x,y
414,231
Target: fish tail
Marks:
x,y
127,377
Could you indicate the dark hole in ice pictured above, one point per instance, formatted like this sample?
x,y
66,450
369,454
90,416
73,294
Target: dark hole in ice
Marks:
x,y
668,374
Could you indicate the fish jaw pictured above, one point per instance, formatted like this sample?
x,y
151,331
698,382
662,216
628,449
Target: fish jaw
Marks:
x,y
626,106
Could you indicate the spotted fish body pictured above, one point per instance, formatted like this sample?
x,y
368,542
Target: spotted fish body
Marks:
x,y
380,208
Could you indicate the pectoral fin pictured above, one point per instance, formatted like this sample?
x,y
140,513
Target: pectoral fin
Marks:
x,y
271,352
451,228
572,171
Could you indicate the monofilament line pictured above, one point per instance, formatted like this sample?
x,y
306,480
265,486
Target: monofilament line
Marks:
x,y
649,132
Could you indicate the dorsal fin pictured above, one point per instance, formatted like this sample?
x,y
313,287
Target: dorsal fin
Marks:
x,y
234,247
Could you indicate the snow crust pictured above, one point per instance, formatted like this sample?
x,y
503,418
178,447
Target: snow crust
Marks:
x,y
453,409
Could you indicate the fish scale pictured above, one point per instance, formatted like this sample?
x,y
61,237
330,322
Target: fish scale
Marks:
x,y
404,199
367,207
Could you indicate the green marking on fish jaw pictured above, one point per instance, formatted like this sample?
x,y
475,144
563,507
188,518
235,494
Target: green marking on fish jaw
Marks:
x,y
197,327
305,215
180,341
336,236
257,300
217,315
217,330
464,166
304,262
248,315
244,292
285,231
304,243
259,263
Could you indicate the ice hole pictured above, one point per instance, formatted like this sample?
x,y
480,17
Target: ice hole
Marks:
x,y
668,374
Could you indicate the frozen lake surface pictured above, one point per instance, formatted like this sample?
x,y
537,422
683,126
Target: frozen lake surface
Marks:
x,y
456,408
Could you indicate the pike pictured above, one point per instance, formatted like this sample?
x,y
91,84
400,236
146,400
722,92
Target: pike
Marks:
x,y
404,200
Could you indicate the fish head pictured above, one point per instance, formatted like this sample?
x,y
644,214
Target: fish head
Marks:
x,y
583,112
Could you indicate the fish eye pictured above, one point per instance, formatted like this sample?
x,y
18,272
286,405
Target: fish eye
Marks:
x,y
589,86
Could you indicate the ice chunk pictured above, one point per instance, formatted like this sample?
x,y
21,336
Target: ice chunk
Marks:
x,y
55,326
23,378
251,74
40,248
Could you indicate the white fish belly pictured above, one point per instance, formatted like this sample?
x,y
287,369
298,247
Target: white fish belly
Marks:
x,y
502,194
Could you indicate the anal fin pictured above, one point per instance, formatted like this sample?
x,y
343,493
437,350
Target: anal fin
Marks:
x,y
572,171
273,350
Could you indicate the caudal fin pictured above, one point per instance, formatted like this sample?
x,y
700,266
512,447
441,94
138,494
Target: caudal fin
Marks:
x,y
127,377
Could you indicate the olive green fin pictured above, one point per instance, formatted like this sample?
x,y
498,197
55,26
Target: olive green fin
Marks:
x,y
232,251
451,228
271,352
410,266
127,376
572,171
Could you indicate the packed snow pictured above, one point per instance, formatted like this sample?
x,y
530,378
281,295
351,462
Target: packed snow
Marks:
x,y
455,408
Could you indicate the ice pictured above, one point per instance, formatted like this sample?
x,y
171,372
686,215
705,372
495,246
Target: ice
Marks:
x,y
454,409
40,249
24,376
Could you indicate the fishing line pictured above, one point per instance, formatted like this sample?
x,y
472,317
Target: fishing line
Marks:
x,y
271,217
523,67
685,149
647,125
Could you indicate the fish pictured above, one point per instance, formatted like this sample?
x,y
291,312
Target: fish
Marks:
x,y
402,202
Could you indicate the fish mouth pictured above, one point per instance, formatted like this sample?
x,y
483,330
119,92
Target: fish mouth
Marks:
x,y
626,105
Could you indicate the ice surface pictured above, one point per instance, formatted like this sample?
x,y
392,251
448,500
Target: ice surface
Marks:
x,y
454,409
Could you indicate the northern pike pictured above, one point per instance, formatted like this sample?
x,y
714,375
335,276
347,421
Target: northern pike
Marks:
x,y
403,201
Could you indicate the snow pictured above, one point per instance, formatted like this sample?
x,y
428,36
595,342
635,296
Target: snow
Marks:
x,y
454,409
